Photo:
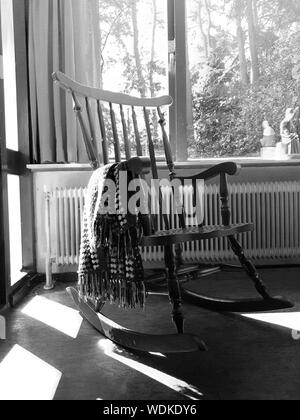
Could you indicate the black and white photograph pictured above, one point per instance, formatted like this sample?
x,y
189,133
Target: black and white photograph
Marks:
x,y
149,203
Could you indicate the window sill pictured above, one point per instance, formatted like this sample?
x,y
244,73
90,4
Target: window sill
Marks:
x,y
60,167
190,164
244,162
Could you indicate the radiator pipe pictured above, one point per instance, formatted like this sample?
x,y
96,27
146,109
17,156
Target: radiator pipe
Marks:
x,y
49,279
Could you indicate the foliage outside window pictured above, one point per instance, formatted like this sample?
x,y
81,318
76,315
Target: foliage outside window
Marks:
x,y
244,62
134,53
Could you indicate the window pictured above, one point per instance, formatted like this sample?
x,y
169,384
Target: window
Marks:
x,y
134,46
244,58
134,53
10,94
233,71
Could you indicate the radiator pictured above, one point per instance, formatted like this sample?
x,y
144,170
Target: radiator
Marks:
x,y
272,207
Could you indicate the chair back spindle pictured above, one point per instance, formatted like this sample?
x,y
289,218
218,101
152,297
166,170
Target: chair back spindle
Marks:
x,y
115,134
139,148
90,146
92,128
151,148
90,120
169,160
125,134
152,155
167,146
103,133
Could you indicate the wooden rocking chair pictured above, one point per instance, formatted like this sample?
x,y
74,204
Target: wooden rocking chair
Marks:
x,y
89,102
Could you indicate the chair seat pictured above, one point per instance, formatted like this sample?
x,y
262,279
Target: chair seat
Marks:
x,y
192,234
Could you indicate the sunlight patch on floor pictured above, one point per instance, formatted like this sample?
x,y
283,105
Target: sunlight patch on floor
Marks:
x,y
290,320
25,377
60,317
171,382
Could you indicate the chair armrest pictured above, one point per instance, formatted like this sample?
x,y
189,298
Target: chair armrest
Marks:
x,y
228,168
222,170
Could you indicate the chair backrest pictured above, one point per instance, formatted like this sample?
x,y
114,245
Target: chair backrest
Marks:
x,y
124,120
101,115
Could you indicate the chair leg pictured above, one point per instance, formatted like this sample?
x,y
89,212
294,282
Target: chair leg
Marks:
x,y
249,268
174,289
179,257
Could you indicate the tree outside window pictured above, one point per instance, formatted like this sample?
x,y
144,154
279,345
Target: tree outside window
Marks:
x,y
244,66
244,62
134,52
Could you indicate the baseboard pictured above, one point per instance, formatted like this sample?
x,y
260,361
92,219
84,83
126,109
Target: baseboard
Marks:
x,y
69,271
64,277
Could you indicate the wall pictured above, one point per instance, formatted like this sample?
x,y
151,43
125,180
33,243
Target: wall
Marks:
x,y
58,176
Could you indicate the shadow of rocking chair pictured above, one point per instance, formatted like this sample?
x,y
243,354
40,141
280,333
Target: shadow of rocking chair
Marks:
x,y
89,103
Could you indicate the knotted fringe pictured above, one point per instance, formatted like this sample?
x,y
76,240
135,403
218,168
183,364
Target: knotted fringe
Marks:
x,y
96,286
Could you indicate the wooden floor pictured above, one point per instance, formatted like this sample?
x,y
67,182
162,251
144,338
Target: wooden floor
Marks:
x,y
247,359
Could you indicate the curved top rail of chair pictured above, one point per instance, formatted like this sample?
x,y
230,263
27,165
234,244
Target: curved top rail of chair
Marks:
x,y
103,95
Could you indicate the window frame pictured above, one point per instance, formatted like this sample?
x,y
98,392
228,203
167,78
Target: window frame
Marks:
x,y
14,163
4,248
178,74
178,89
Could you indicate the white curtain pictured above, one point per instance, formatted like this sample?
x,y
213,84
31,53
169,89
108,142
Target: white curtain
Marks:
x,y
63,35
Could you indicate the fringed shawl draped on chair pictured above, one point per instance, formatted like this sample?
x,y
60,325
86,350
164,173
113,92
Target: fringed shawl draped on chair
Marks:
x,y
65,35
